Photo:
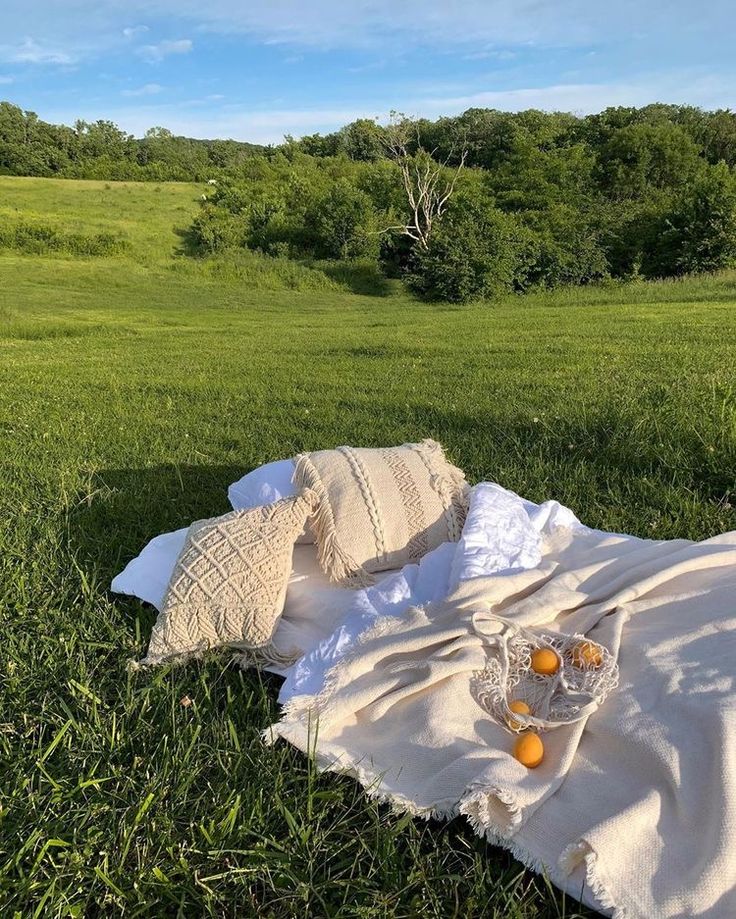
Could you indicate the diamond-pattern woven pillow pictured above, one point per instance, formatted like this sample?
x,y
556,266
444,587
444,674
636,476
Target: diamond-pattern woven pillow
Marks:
x,y
229,583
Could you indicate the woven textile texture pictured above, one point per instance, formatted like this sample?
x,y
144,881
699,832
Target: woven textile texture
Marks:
x,y
229,583
380,509
635,801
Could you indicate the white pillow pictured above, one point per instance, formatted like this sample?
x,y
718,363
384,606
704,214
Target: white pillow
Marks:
x,y
147,576
265,485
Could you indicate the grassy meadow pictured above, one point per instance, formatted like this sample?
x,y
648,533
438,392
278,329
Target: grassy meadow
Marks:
x,y
133,390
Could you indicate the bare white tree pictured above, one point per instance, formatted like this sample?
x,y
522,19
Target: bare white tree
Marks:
x,y
428,181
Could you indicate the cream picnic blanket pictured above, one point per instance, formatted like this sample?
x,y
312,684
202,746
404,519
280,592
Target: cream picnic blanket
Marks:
x,y
638,800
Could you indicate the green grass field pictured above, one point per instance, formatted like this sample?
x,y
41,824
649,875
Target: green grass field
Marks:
x,y
132,391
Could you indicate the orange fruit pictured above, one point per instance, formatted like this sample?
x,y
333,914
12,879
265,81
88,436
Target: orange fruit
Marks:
x,y
529,750
545,661
519,707
587,654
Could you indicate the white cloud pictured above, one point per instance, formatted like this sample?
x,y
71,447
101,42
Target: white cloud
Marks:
x,y
228,120
472,25
155,53
149,89
495,54
31,52
680,87
564,97
371,23
500,23
6,80
132,31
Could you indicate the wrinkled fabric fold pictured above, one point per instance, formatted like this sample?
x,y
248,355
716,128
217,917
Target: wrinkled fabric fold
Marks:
x,y
399,713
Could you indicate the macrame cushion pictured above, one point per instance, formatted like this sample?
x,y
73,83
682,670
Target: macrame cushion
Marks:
x,y
381,508
229,583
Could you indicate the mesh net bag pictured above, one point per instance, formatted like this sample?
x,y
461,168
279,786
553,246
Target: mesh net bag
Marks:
x,y
585,675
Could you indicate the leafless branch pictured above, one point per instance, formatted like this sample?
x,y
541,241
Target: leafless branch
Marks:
x,y
423,177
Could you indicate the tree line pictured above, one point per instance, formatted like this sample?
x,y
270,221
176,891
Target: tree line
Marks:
x,y
30,146
535,199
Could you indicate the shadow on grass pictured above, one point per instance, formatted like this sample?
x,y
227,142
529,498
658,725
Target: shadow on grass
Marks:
x,y
363,278
188,245
124,508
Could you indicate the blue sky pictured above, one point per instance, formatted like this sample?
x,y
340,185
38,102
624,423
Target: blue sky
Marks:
x,y
256,71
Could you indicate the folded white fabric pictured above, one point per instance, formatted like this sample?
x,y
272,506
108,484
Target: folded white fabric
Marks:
x,y
503,532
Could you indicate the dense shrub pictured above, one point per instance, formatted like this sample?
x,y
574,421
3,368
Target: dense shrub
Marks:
x,y
340,223
629,231
640,159
301,207
688,231
476,252
40,239
568,248
217,230
699,232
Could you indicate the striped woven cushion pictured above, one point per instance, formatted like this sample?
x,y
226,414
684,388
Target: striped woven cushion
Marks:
x,y
381,508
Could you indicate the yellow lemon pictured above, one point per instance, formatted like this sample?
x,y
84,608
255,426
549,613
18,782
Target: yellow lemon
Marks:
x,y
586,654
529,750
519,708
545,661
